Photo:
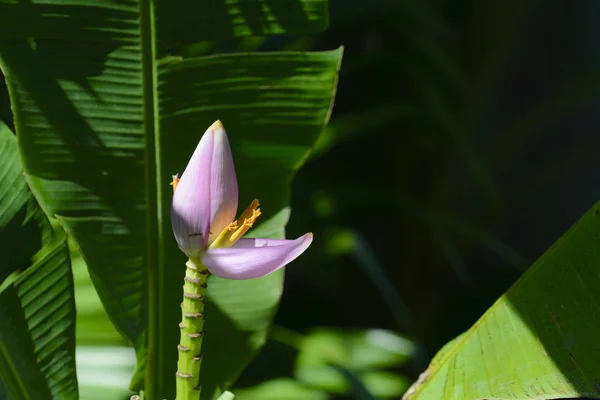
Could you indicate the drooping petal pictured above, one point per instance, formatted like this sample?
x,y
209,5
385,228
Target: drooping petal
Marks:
x,y
223,183
253,258
206,195
246,243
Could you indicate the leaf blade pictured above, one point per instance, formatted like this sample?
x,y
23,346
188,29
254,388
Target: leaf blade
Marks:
x,y
536,340
83,85
37,309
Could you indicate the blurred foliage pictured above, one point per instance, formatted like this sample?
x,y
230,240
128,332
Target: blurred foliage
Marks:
x,y
364,353
104,372
462,144
281,388
104,361
336,362
93,325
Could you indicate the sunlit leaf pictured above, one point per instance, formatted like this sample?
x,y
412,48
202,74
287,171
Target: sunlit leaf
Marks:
x,y
539,340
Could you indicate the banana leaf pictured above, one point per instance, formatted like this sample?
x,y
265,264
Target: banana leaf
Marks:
x,y
539,340
37,307
106,111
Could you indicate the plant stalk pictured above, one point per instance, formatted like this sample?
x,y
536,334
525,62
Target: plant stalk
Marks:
x,y
191,326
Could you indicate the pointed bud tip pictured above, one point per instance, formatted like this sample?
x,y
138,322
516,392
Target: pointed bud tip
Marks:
x,y
217,126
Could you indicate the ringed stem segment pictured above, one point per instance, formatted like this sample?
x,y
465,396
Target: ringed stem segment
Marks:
x,y
192,331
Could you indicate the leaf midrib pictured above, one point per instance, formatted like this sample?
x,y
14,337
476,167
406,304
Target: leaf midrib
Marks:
x,y
9,374
154,219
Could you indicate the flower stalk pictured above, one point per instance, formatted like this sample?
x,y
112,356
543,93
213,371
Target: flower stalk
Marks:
x,y
192,331
205,201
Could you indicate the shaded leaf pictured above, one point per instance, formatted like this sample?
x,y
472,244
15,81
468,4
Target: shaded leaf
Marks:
x,y
217,19
104,122
37,309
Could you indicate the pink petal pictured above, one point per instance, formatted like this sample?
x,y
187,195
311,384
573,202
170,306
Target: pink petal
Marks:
x,y
206,197
253,258
245,243
223,184
190,210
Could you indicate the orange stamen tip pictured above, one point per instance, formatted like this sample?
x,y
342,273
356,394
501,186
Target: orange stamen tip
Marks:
x,y
250,220
175,182
243,223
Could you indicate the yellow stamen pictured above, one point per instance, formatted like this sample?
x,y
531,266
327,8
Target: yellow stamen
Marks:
x,y
245,226
236,229
249,212
175,182
224,236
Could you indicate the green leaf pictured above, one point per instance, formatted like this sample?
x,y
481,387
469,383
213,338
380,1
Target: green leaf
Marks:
x,y
23,227
226,396
93,325
539,340
358,389
104,122
341,362
385,384
104,372
218,19
37,309
280,388
358,350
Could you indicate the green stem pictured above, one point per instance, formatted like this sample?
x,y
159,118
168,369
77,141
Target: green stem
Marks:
x,y
192,324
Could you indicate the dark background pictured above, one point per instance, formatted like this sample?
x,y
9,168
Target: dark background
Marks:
x,y
462,144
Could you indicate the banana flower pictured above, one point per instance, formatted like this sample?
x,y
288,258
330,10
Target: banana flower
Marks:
x,y
203,212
